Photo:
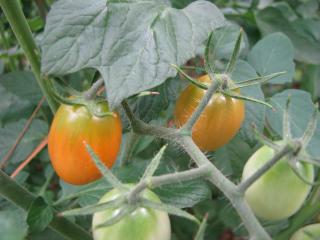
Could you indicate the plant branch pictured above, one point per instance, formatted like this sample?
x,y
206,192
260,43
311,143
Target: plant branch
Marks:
x,y
204,102
21,29
230,190
6,45
19,196
91,93
131,140
166,179
278,156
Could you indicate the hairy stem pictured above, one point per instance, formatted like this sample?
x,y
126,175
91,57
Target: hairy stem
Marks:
x,y
166,179
91,93
131,140
229,189
204,102
21,29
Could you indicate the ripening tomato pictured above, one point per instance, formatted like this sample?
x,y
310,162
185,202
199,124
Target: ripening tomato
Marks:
x,y
71,126
218,123
310,232
142,224
279,193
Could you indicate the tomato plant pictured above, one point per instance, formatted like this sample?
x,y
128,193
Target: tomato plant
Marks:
x,y
141,224
218,123
72,126
136,55
309,232
279,193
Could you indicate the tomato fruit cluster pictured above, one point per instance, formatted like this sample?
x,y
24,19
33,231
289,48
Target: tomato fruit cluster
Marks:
x,y
142,224
218,123
279,193
72,127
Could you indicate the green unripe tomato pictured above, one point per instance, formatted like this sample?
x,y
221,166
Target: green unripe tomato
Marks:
x,y
279,193
142,224
310,232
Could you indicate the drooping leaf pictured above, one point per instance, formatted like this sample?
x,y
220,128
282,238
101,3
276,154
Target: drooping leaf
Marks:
x,y
132,49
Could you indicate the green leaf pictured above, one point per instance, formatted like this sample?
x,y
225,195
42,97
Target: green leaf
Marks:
x,y
286,10
47,234
132,49
308,9
8,135
151,107
300,111
230,158
13,225
168,208
304,33
16,82
39,215
225,39
17,100
272,54
255,113
183,195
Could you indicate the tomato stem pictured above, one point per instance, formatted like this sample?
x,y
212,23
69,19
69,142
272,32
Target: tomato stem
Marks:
x,y
230,190
166,179
18,195
91,93
21,29
200,108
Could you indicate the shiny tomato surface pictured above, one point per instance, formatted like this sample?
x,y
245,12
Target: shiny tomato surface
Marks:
x,y
279,193
218,123
71,127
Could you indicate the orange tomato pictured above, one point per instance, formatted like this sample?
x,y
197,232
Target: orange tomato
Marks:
x,y
218,123
71,127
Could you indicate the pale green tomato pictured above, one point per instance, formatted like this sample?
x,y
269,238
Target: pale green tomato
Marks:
x,y
310,232
142,224
279,193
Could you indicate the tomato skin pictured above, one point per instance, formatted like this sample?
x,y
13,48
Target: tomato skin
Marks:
x,y
71,126
279,193
142,224
302,234
218,123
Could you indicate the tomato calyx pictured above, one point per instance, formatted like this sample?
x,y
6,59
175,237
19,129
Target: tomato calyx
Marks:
x,y
227,86
298,146
93,105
